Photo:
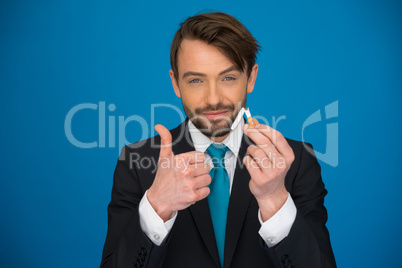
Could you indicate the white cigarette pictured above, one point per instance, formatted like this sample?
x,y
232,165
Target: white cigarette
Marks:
x,y
238,118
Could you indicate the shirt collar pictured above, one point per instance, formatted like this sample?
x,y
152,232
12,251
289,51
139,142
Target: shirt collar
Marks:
x,y
202,142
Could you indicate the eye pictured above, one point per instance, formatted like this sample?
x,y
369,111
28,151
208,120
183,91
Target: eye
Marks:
x,y
195,81
229,78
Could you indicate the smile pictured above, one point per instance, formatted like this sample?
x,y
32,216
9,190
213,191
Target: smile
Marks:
x,y
215,115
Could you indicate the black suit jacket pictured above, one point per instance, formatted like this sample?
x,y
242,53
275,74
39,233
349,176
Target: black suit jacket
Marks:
x,y
191,242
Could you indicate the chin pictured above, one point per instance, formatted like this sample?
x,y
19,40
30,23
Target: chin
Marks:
x,y
216,128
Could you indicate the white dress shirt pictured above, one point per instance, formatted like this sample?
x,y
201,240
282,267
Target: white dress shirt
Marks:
x,y
272,231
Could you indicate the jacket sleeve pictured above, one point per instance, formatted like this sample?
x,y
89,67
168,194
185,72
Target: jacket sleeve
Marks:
x,y
126,245
308,244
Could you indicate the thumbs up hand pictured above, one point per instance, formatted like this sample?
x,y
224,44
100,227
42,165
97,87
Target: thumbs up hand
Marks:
x,y
180,181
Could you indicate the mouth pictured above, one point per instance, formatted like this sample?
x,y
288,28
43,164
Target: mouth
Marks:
x,y
215,115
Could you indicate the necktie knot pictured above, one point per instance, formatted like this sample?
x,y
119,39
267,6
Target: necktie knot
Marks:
x,y
217,153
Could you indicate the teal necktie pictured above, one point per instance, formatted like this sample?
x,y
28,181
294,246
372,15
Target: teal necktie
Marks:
x,y
218,199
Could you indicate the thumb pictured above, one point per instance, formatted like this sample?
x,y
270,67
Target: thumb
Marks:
x,y
166,141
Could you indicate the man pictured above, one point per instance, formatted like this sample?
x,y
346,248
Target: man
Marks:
x,y
219,198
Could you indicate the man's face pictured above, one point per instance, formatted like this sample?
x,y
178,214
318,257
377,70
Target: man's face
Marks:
x,y
211,87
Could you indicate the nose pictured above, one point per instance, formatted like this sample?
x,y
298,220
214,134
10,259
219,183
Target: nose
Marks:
x,y
212,96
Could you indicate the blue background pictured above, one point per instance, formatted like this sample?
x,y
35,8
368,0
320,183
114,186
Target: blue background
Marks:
x,y
55,55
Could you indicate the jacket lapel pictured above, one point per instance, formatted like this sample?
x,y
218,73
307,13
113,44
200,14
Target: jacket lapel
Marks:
x,y
182,143
238,203
202,219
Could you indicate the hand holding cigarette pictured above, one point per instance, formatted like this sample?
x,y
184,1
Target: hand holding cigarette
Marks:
x,y
268,162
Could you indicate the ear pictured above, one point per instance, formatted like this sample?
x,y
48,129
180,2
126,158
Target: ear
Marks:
x,y
252,78
174,84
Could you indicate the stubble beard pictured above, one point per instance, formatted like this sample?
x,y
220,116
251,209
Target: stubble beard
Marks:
x,y
214,128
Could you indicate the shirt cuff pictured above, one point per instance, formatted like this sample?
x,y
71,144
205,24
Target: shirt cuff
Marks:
x,y
151,224
278,226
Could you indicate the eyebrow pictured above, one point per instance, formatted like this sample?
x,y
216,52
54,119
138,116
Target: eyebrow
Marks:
x,y
190,73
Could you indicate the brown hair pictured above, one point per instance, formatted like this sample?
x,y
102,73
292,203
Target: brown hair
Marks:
x,y
221,30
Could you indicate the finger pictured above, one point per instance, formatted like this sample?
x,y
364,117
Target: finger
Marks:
x,y
201,169
277,139
262,158
257,136
202,181
260,153
166,141
202,193
191,157
193,170
252,167
265,136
